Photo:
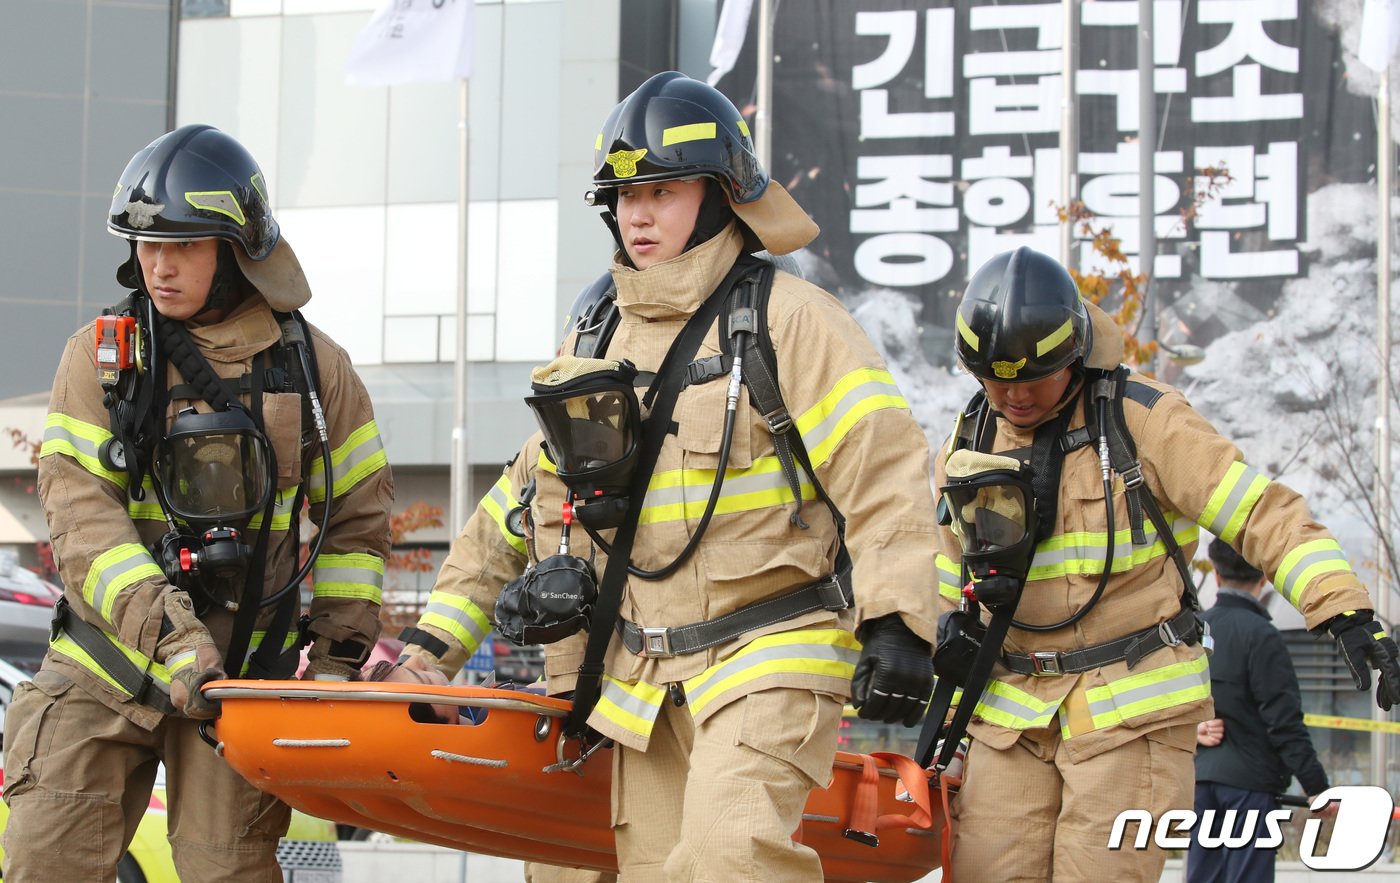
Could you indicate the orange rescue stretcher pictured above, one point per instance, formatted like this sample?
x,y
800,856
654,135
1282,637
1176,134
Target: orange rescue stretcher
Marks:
x,y
513,785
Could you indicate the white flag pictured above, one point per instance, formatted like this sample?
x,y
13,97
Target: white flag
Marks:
x,y
411,41
1380,33
733,27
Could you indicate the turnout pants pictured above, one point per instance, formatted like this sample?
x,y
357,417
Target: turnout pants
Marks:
x,y
1028,813
78,779
719,802
538,873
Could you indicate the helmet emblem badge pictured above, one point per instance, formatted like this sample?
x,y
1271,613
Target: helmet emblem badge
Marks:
x,y
624,162
1008,370
142,214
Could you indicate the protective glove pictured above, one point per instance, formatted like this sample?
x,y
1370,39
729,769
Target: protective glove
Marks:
x,y
1364,645
188,651
323,669
894,676
331,660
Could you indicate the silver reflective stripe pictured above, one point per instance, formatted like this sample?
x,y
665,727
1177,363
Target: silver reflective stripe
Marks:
x,y
631,703
815,436
1243,492
813,651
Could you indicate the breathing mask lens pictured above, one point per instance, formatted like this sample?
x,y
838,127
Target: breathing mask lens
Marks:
x,y
587,410
214,468
993,512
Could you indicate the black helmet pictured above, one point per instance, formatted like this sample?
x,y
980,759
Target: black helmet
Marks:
x,y
195,183
1021,319
675,127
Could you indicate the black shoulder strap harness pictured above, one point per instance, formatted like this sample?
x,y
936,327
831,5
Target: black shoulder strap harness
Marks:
x,y
1051,445
741,302
136,407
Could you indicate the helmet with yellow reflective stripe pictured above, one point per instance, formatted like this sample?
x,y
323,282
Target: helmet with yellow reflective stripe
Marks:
x,y
194,183
675,127
1021,319
200,183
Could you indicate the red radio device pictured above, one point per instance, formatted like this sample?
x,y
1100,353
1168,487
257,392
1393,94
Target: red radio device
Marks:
x,y
115,351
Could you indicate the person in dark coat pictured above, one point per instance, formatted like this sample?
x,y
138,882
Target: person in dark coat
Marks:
x,y
1247,756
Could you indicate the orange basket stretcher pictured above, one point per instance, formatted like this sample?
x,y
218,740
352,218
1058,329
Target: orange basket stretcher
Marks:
x,y
513,785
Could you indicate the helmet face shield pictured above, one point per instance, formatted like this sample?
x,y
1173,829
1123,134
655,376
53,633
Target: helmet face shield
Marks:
x,y
588,412
214,468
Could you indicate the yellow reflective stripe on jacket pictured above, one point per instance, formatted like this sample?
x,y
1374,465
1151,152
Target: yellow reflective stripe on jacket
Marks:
x,y
179,661
949,578
1306,563
1082,552
457,616
1180,683
256,640
830,653
1233,500
283,500
148,507
160,675
81,441
678,494
826,423
118,568
351,575
633,707
1006,706
361,455
497,503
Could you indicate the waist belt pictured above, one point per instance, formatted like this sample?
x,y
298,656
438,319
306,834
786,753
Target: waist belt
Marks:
x,y
1184,628
145,689
659,643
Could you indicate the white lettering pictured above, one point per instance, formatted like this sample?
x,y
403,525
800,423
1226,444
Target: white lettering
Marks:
x,y
1363,819
1144,820
1182,820
923,259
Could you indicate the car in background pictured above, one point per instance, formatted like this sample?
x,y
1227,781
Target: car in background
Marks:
x,y
26,609
308,854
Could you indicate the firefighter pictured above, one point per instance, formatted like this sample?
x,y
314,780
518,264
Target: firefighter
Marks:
x,y
173,483
1092,707
717,749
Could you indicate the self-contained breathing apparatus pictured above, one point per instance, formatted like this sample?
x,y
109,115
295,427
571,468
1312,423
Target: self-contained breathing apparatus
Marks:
x,y
999,507
214,471
581,401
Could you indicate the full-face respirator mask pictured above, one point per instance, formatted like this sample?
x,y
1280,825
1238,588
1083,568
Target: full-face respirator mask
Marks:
x,y
213,471
588,413
991,510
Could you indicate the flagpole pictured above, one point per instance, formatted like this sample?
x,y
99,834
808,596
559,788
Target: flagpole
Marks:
x,y
763,87
1147,144
1385,161
460,498
1069,126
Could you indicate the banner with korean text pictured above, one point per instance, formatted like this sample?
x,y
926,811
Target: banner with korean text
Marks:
x,y
925,140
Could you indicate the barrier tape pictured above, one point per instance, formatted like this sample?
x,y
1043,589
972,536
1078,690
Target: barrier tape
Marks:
x,y
1332,722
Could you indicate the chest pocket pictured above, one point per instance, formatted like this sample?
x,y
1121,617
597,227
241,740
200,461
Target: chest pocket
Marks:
x,y
282,426
699,417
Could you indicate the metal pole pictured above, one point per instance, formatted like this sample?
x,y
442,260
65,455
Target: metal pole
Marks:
x,y
460,499
1147,143
1385,162
1069,125
763,87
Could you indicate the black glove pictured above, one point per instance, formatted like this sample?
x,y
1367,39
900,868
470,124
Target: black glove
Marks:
x,y
1364,646
894,677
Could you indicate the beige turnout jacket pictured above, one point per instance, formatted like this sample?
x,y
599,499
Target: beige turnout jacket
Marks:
x,y
1200,480
868,454
101,534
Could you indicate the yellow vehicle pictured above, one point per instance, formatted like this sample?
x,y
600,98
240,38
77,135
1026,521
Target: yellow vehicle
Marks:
x,y
308,854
